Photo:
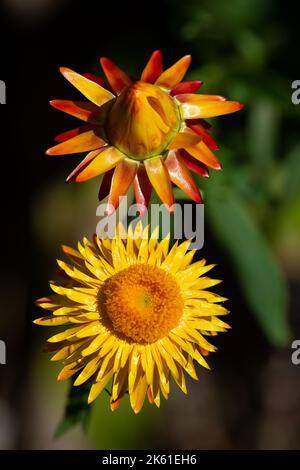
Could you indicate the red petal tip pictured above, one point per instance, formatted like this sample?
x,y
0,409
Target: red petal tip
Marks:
x,y
171,208
141,209
105,60
110,209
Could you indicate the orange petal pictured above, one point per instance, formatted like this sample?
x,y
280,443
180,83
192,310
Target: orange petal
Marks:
x,y
207,109
203,351
74,255
99,80
115,76
79,109
89,140
91,90
193,98
202,153
207,138
184,139
194,165
159,178
181,176
101,162
173,75
114,405
66,373
142,189
153,68
121,180
82,165
150,396
72,133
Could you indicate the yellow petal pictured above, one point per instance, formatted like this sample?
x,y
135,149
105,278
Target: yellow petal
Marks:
x,y
137,397
97,387
104,160
87,372
159,178
91,90
95,344
89,140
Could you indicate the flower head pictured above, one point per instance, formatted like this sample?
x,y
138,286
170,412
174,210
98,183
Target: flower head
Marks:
x,y
148,131
136,313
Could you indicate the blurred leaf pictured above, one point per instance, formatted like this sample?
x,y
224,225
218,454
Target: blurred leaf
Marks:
x,y
263,130
292,172
252,48
77,410
258,274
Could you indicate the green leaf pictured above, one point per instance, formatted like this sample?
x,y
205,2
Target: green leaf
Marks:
x,y
262,134
292,172
260,278
77,410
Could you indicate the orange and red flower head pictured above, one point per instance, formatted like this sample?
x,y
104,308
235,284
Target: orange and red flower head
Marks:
x,y
148,132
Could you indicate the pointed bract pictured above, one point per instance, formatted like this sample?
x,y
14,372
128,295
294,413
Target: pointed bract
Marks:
x,y
190,86
173,75
122,178
91,90
184,139
80,109
153,68
181,176
71,133
142,189
202,153
105,184
194,165
104,160
207,109
115,76
83,142
159,178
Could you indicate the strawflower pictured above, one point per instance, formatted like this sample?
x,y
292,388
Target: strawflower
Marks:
x,y
149,132
136,313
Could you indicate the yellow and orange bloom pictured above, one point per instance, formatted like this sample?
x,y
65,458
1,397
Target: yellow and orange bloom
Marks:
x,y
149,132
137,313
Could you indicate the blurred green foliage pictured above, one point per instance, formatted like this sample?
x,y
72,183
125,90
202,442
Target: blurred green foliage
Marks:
x,y
239,44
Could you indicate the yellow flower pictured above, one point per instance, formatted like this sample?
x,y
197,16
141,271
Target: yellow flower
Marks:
x,y
148,131
138,313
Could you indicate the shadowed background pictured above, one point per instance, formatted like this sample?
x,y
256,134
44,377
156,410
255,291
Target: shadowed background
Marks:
x,y
243,49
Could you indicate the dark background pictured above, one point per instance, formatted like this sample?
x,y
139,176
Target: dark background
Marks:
x,y
245,49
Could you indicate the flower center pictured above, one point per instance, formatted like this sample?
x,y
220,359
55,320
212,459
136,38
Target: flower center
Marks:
x,y
143,303
142,121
